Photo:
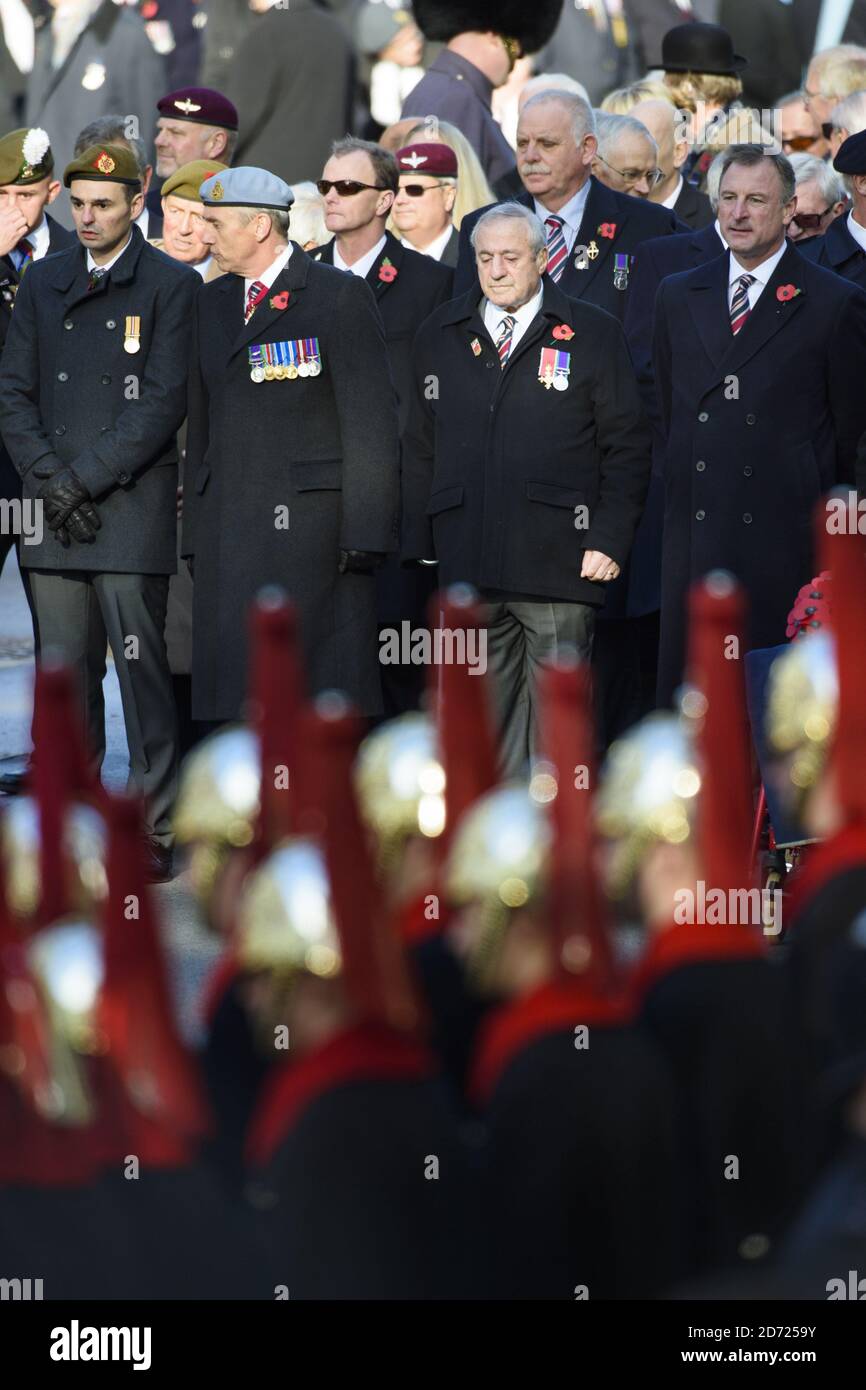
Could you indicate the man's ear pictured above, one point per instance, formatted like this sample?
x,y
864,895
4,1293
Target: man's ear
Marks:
x,y
681,153
54,188
136,207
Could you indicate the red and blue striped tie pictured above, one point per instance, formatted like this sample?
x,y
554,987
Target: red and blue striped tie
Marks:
x,y
503,341
557,251
740,302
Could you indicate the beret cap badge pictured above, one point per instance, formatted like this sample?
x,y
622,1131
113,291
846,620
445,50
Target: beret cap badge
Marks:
x,y
187,106
217,192
104,163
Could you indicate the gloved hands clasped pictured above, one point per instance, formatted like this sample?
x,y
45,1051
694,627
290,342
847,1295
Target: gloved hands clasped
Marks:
x,y
69,511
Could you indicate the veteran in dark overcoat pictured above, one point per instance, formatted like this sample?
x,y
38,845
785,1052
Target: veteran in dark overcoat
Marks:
x,y
291,474
92,392
760,383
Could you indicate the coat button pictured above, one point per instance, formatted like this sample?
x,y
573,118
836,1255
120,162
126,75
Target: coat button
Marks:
x,y
748,471
61,429
700,466
747,517
703,417
488,364
68,324
62,376
106,381
110,323
123,477
699,515
750,419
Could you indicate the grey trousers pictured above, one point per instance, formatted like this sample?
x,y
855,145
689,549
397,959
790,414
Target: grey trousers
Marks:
x,y
77,614
521,636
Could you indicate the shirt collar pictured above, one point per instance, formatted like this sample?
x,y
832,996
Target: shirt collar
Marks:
x,y
718,227
204,266
435,248
494,314
40,239
91,263
364,264
268,276
857,230
761,272
142,222
572,212
671,199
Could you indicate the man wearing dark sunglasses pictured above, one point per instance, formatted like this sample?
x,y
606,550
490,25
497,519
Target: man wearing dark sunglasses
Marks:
x,y
798,130
425,201
820,197
843,246
358,186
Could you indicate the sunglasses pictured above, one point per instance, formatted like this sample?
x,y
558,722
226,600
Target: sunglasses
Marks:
x,y
808,221
798,143
417,190
347,188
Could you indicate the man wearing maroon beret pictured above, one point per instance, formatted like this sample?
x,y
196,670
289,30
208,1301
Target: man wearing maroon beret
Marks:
x,y
423,208
194,123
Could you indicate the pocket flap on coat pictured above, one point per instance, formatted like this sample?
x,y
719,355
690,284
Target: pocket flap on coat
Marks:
x,y
443,499
553,494
311,475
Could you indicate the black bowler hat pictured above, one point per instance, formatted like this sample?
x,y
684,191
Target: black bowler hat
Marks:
x,y
851,155
700,48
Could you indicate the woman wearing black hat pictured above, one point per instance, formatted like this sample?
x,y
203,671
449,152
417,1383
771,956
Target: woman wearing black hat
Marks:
x,y
702,71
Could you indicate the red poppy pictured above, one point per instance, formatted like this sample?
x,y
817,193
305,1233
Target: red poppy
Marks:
x,y
607,229
563,332
387,271
280,301
785,292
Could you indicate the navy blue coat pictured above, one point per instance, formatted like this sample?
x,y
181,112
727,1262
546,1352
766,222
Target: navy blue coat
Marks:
x,y
655,259
495,465
758,427
837,250
70,393
325,446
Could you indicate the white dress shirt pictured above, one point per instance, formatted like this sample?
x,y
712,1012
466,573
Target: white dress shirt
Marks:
x,y
669,201
435,248
571,214
268,276
718,227
91,263
857,230
761,273
363,265
142,222
493,316
204,266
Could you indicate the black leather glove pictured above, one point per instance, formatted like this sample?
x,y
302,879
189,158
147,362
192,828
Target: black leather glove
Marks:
x,y
360,561
67,502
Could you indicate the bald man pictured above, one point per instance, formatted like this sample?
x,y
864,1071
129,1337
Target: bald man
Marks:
x,y
690,205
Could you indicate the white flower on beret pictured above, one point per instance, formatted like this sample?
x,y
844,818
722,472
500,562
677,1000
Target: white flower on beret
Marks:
x,y
35,147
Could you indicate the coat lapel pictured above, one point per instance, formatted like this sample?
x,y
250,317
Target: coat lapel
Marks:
x,y
600,210
708,304
292,278
769,314
394,254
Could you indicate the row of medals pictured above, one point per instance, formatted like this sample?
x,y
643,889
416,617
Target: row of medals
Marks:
x,y
285,371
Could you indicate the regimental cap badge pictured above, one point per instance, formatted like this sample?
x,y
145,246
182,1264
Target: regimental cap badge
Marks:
x,y
217,191
104,163
414,159
187,106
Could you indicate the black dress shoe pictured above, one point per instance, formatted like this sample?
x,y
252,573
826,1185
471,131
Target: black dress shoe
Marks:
x,y
14,783
158,865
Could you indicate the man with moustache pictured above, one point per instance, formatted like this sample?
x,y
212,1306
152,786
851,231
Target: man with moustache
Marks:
x,y
92,392
758,367
28,232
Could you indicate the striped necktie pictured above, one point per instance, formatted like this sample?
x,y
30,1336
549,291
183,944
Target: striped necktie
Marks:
x,y
95,277
503,341
740,302
557,251
255,294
